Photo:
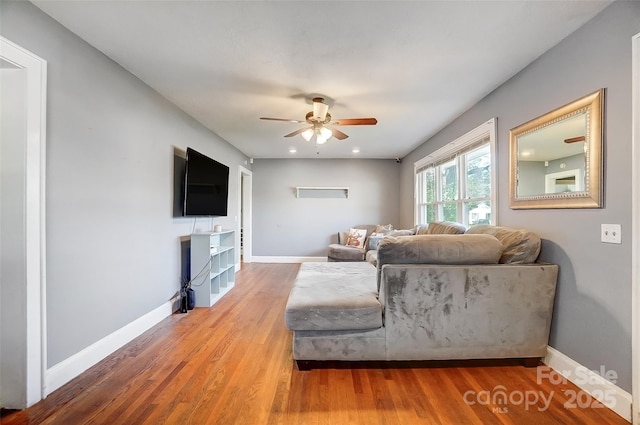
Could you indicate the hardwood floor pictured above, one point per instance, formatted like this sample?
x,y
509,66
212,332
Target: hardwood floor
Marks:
x,y
231,364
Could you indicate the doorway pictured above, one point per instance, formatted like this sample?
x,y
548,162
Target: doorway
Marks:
x,y
22,221
245,208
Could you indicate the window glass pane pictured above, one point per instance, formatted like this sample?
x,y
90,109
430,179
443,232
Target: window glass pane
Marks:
x,y
478,165
426,213
430,184
449,179
450,211
431,213
478,212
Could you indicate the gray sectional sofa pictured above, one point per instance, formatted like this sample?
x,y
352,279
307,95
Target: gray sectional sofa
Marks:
x,y
478,295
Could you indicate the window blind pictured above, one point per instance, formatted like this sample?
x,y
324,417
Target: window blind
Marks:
x,y
449,153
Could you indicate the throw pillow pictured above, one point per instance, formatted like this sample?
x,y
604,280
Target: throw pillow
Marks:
x,y
407,232
384,229
356,237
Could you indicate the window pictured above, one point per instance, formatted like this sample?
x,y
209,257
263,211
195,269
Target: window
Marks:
x,y
457,182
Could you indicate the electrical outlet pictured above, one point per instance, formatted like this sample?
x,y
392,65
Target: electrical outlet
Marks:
x,y
611,233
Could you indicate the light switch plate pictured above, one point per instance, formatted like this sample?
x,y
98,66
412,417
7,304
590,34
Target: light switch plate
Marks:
x,y
611,233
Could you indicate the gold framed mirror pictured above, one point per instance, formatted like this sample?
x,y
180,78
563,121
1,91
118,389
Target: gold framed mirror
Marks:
x,y
555,160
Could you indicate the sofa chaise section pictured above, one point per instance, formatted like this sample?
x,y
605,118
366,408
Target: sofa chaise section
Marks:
x,y
327,296
335,313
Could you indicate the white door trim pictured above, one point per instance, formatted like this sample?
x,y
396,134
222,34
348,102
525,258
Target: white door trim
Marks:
x,y
35,215
245,182
635,226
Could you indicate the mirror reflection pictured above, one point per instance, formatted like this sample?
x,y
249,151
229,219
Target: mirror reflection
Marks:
x,y
555,160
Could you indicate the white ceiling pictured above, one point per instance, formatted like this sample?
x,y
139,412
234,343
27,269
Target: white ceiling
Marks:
x,y
415,66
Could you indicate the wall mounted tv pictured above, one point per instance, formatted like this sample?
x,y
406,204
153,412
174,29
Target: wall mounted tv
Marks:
x,y
206,186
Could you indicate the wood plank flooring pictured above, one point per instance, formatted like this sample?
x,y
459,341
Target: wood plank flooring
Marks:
x,y
231,364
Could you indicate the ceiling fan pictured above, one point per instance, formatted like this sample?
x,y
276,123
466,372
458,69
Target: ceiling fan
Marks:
x,y
319,119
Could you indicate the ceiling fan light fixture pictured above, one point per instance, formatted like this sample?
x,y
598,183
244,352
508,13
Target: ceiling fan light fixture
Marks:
x,y
307,134
326,133
322,135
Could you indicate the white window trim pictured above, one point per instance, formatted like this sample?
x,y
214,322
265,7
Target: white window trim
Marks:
x,y
487,129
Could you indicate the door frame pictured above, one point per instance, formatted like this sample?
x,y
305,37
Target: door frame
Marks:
x,y
245,182
35,255
635,226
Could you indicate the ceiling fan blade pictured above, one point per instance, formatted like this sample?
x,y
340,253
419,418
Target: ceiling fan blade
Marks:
x,y
356,121
338,134
575,139
281,119
295,133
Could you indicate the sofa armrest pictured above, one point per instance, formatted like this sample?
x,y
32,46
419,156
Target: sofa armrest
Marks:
x,y
467,311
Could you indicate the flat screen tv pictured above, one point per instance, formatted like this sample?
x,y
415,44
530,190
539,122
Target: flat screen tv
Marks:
x,y
206,186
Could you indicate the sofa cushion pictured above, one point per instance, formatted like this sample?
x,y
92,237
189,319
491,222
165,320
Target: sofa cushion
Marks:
x,y
520,246
421,229
372,257
339,252
334,296
439,249
383,229
445,228
373,241
402,232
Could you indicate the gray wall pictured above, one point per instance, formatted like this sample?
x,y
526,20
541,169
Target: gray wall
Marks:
x,y
592,317
570,163
284,225
113,245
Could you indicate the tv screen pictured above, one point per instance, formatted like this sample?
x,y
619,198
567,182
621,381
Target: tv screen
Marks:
x,y
206,186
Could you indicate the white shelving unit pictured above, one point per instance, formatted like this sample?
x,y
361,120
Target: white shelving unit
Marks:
x,y
213,267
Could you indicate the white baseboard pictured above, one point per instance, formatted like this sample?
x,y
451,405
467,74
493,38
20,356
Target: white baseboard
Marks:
x,y
63,372
279,259
591,382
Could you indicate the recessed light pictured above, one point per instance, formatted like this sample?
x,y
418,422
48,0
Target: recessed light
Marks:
x,y
355,150
293,150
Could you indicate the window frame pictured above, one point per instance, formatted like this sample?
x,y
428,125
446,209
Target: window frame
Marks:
x,y
456,150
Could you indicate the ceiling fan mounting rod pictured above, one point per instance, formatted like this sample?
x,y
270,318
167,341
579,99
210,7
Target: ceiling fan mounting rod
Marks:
x,y
312,120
